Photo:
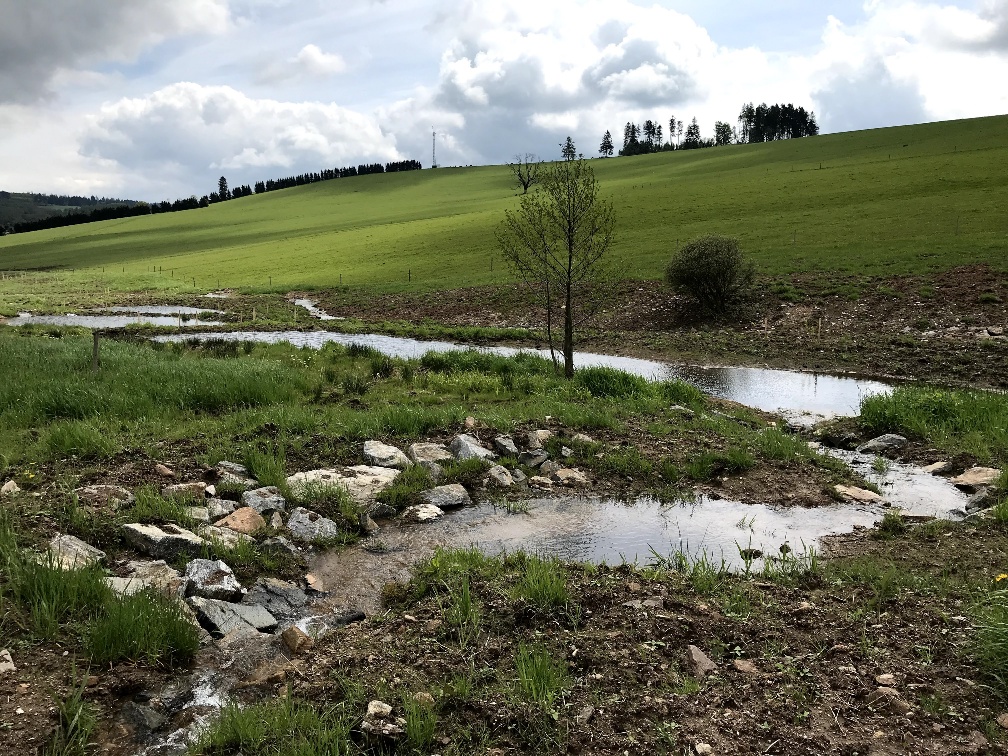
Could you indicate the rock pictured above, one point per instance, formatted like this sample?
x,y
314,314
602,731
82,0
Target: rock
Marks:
x,y
280,545
498,475
1001,720
540,482
6,662
9,488
983,498
886,680
379,511
519,477
165,542
143,717
703,749
314,583
533,459
185,491
362,482
211,491
221,617
234,475
421,513
309,526
889,698
424,698
378,723
157,576
264,500
505,446
976,477
426,453
212,579
699,663
71,553
466,447
566,452
745,666
548,468
296,639
385,455
938,468
450,496
276,521
586,713
582,438
366,524
852,493
537,438
569,477
280,598
245,520
225,537
217,508
199,514
164,471
888,442
104,497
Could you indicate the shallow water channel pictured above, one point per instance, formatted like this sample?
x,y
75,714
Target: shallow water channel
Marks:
x,y
157,315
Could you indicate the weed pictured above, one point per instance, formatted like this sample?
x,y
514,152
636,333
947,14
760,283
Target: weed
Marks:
x,y
892,525
610,382
462,613
542,585
143,626
421,722
353,383
468,472
541,678
880,465
991,643
407,487
268,467
76,725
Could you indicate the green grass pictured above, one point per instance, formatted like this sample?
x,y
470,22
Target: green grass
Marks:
x,y
541,678
76,724
906,199
144,626
542,585
991,644
974,422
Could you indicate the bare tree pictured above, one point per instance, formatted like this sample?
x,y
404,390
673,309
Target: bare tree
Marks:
x,y
526,170
556,243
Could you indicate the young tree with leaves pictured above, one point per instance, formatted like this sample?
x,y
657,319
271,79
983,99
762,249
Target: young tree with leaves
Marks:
x,y
556,242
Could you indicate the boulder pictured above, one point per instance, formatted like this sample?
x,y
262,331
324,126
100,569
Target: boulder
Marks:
x,y
264,500
245,520
938,468
162,542
424,453
421,513
540,482
185,491
225,537
498,475
505,446
466,447
278,597
853,493
71,553
309,526
450,496
104,497
976,477
519,477
888,442
699,663
533,459
157,576
385,455
222,617
548,468
280,545
537,438
9,488
213,579
362,482
217,508
567,476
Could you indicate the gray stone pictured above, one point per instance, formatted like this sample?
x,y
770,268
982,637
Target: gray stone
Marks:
x,y
221,617
582,438
498,475
105,497
549,468
212,578
537,438
362,482
280,545
699,663
421,513
533,459
264,500
309,526
450,496
164,542
888,442
428,453
983,498
234,475
199,514
71,553
385,455
143,717
225,537
380,511
281,599
566,476
9,488
566,452
233,468
157,576
217,508
185,491
466,447
6,662
505,446
519,477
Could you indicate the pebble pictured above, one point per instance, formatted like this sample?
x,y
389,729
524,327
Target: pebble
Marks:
x,y
1003,720
703,748
886,680
6,662
164,471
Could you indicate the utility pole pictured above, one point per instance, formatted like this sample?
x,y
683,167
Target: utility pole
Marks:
x,y
433,148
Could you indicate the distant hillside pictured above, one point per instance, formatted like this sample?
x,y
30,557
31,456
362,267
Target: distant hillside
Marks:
x,y
18,207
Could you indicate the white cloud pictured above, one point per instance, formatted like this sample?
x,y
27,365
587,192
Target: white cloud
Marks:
x,y
41,38
184,135
309,62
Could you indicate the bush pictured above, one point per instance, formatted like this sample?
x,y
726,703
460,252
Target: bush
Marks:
x,y
714,271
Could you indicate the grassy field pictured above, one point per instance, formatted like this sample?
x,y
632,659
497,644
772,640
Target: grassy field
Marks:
x,y
898,200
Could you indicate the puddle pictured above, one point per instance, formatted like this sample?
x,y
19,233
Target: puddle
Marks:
x,y
111,321
162,310
804,398
315,310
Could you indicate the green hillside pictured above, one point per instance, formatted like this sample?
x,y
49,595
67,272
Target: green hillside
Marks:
x,y
906,199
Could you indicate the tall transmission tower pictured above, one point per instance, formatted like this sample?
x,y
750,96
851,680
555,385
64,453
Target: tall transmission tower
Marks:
x,y
433,148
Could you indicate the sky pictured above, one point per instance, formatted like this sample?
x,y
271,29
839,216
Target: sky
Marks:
x,y
156,99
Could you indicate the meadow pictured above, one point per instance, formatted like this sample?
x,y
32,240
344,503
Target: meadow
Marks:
x,y
909,199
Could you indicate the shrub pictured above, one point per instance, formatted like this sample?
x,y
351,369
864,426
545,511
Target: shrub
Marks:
x,y
714,271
